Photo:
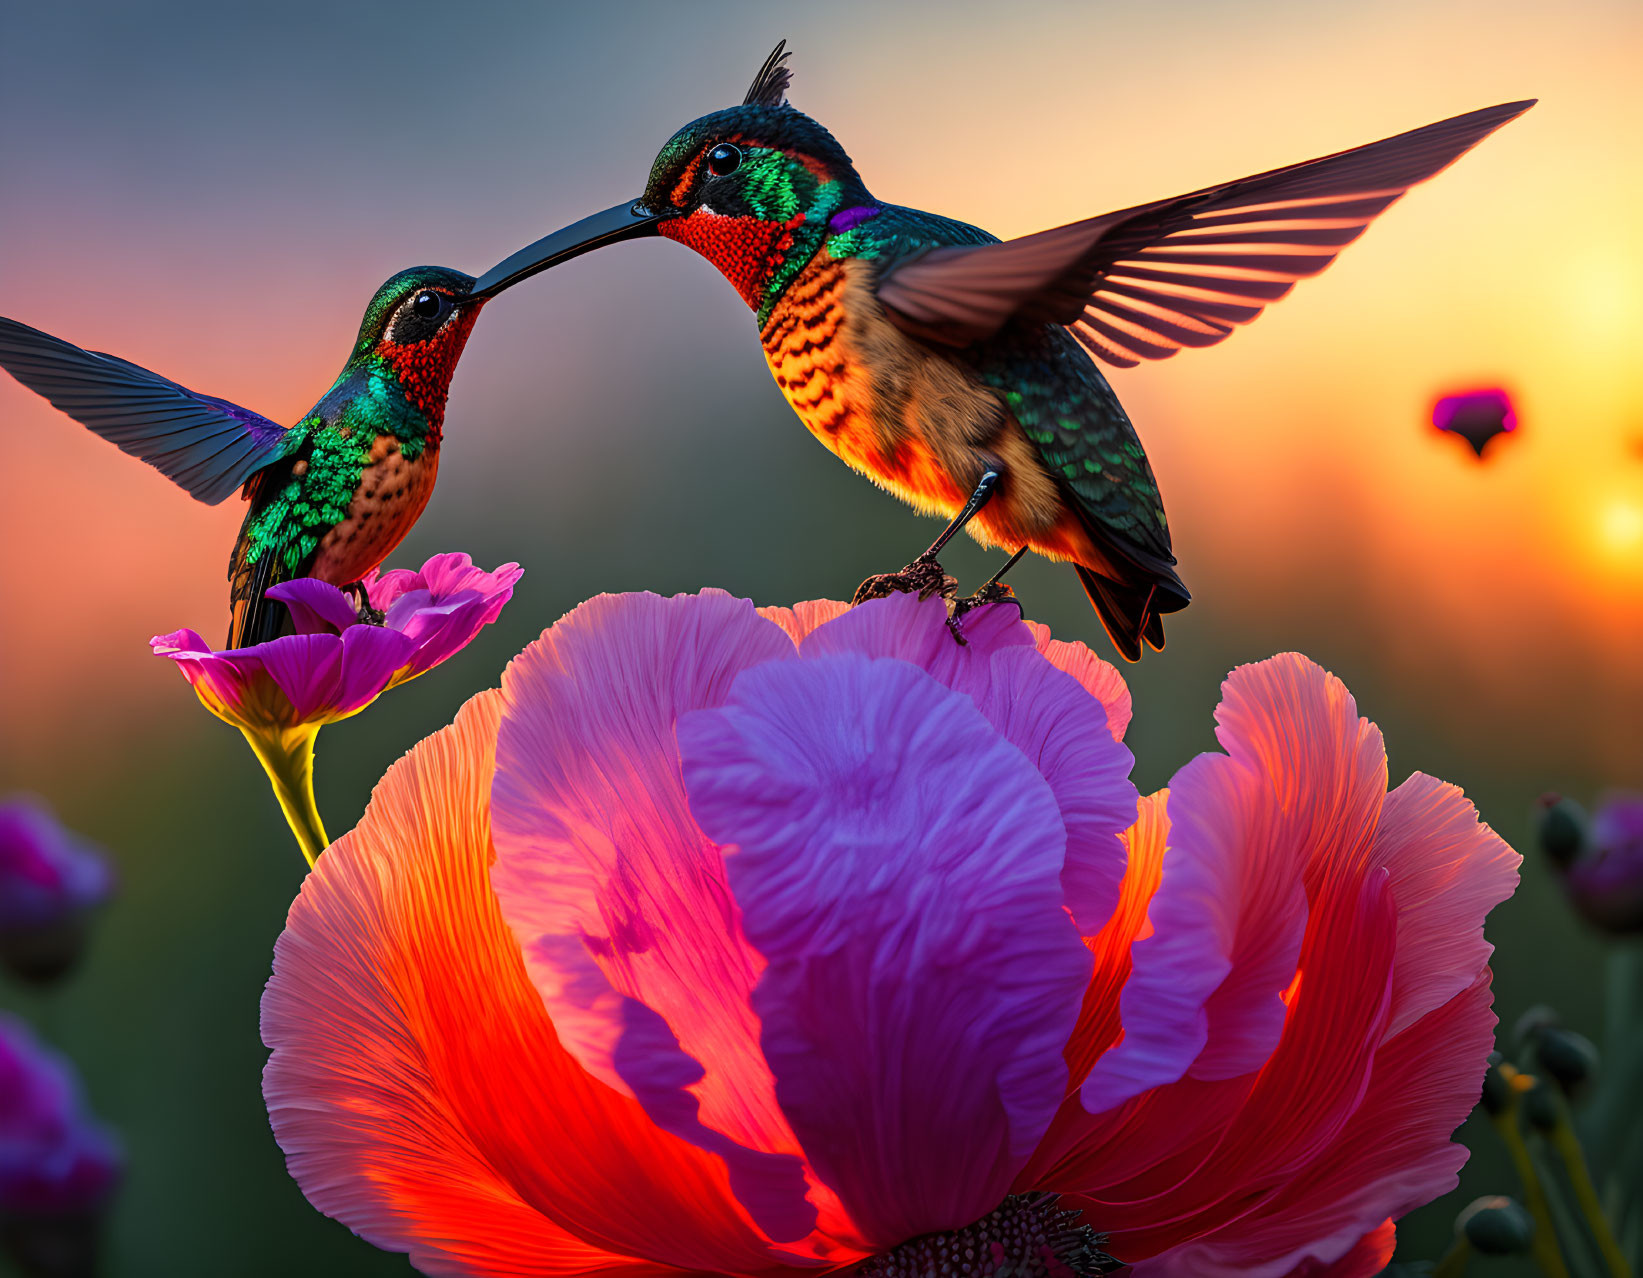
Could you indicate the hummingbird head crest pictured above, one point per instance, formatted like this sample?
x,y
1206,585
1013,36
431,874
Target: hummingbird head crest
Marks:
x,y
751,187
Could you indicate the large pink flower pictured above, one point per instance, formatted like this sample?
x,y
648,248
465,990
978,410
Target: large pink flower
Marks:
x,y
746,943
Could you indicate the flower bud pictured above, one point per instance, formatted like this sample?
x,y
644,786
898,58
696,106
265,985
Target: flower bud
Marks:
x,y
50,885
1568,1058
1496,1226
1528,1029
1540,1106
1560,827
1605,882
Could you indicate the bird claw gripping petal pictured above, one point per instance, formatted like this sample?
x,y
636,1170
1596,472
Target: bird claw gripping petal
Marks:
x,y
923,577
991,593
368,615
1026,1236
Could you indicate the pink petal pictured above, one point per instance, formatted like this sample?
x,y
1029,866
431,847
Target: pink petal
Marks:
x,y
802,618
1044,712
898,865
1448,871
1101,679
617,898
316,607
417,1085
1297,793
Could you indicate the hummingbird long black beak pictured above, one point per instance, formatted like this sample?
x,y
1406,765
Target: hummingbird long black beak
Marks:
x,y
627,221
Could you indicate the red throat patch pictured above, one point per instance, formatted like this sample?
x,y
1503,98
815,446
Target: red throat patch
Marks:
x,y
425,368
746,249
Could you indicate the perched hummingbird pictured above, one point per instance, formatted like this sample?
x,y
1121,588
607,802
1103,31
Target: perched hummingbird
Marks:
x,y
955,370
331,496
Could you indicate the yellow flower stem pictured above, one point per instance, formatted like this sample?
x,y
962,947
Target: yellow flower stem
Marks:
x,y
1544,1245
288,759
1567,1144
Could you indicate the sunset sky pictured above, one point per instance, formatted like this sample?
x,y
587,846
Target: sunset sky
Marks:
x,y
215,194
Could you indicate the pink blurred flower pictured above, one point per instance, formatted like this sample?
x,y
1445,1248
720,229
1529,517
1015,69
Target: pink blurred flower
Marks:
x,y
1478,417
51,882
763,942
335,665
1605,883
58,1166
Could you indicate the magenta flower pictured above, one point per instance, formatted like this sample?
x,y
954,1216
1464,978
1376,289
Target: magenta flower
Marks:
x,y
280,693
1605,883
335,665
58,1166
774,942
1478,417
50,884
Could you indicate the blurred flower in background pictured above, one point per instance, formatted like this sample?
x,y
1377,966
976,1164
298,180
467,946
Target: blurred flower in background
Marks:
x,y
1479,417
279,694
740,940
1600,858
58,1166
51,883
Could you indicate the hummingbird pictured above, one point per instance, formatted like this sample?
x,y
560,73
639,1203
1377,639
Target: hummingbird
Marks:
x,y
330,496
956,370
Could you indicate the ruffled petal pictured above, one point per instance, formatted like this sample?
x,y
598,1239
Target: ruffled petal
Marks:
x,y
1367,1257
1295,799
617,898
1448,871
416,1083
1101,679
1046,713
1395,1154
897,864
802,618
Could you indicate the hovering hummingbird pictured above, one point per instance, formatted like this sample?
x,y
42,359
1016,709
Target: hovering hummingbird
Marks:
x,y
955,370
331,496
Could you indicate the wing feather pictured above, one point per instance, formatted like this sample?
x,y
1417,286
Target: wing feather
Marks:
x,y
1198,264
208,446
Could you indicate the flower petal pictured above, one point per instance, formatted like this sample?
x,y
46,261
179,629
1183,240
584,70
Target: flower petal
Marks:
x,y
1296,796
1044,712
334,676
897,864
316,607
615,895
1448,871
416,1083
1101,679
802,618
1395,1154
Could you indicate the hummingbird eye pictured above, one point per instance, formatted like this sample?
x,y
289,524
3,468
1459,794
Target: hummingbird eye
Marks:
x,y
724,158
427,304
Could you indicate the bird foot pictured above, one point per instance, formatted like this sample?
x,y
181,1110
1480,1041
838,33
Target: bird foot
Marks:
x,y
367,615
923,577
993,592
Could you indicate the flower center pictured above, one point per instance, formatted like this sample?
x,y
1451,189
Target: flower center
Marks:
x,y
1025,1236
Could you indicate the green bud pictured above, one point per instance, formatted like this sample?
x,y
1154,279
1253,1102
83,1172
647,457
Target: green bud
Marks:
x,y
1540,1106
1534,1023
1561,829
1496,1226
1568,1057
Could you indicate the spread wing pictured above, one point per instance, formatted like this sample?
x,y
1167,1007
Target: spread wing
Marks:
x,y
1147,281
207,445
